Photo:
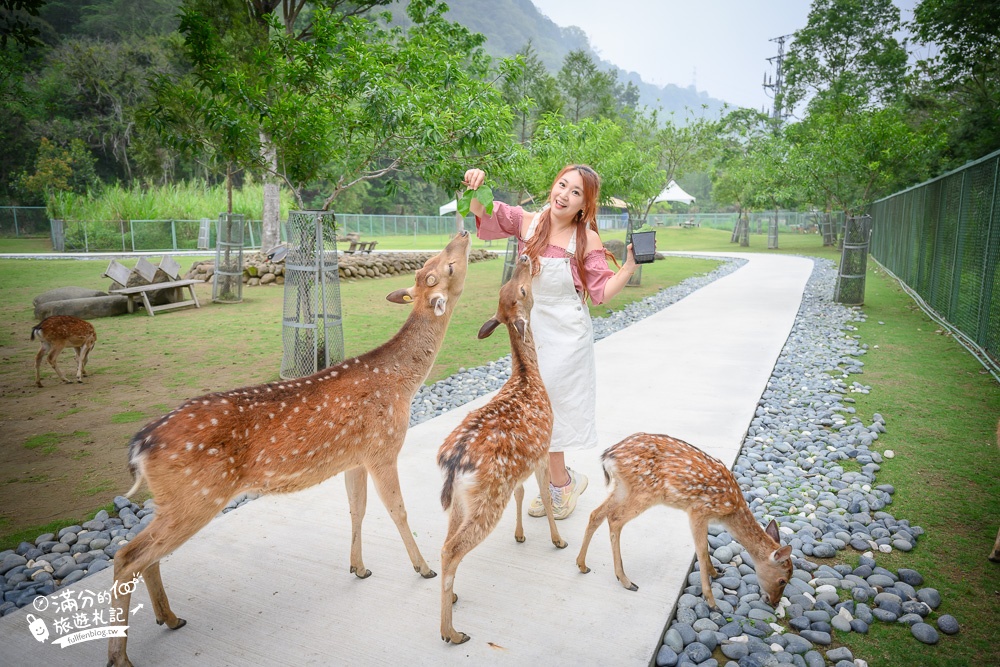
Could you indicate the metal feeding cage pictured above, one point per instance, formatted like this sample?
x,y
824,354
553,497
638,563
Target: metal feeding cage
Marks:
x,y
772,232
312,329
850,288
509,260
227,282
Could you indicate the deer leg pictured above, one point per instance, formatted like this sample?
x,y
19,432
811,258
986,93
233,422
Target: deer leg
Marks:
x,y
616,519
356,480
86,356
38,366
542,476
53,358
519,500
597,517
78,356
462,538
142,556
699,530
995,555
386,480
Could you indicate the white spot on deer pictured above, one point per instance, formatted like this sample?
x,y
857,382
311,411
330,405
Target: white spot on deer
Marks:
x,y
212,451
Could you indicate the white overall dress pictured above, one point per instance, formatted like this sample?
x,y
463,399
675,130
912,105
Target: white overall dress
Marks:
x,y
564,340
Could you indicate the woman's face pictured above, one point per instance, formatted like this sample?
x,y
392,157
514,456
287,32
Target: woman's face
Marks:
x,y
566,198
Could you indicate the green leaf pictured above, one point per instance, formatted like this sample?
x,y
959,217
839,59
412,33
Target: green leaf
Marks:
x,y
484,195
464,203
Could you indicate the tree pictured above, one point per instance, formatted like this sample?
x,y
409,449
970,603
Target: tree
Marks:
x,y
61,169
589,91
963,79
851,155
531,92
847,48
358,101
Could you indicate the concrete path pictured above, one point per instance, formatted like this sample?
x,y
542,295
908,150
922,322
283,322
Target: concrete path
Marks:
x,y
269,584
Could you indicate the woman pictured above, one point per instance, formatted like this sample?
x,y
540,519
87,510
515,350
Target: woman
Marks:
x,y
571,267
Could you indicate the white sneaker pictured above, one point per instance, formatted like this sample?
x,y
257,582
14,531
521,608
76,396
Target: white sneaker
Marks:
x,y
563,497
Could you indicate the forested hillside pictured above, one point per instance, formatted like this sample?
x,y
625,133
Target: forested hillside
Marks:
x,y
509,24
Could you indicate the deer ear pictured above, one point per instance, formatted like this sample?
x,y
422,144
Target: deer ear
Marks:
x,y
401,296
772,531
521,325
488,327
784,553
440,304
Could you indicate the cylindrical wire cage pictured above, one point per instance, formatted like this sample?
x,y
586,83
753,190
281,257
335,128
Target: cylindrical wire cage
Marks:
x,y
312,329
509,260
850,289
227,282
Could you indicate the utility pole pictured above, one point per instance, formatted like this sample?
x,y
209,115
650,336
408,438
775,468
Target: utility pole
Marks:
x,y
775,86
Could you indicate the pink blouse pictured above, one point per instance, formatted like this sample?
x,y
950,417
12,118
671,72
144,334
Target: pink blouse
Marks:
x,y
506,221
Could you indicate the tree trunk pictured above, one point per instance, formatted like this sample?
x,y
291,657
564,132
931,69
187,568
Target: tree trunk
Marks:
x,y
270,234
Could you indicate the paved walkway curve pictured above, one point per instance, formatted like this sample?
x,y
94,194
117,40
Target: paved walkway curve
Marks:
x,y
269,584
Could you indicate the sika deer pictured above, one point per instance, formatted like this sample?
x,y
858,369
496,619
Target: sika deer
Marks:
x,y
644,470
57,332
496,448
286,436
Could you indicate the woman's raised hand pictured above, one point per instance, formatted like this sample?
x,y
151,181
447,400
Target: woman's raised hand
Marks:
x,y
474,178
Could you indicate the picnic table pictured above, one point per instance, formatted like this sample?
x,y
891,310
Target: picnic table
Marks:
x,y
120,274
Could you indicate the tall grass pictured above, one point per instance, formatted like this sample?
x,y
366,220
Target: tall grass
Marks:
x,y
186,200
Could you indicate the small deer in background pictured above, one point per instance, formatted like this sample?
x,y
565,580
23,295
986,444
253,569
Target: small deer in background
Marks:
x,y
645,470
496,447
58,332
995,554
289,435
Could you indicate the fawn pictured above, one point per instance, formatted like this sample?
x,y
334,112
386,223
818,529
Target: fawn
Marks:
x,y
995,554
645,469
57,332
288,435
496,447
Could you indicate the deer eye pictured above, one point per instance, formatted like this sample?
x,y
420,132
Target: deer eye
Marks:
x,y
523,292
451,269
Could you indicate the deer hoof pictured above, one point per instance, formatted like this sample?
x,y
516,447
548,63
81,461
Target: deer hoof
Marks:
x,y
561,544
454,598
584,569
457,638
362,573
519,540
632,587
429,575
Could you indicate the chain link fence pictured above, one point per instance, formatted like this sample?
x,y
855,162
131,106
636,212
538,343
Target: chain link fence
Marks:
x,y
941,238
23,222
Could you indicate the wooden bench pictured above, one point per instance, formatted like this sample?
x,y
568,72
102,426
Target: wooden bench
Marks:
x,y
367,246
120,274
689,224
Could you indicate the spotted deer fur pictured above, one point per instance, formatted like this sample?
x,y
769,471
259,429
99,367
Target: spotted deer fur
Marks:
x,y
58,332
496,448
288,435
645,470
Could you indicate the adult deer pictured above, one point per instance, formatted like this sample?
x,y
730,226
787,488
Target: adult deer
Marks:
x,y
58,332
645,470
286,436
496,447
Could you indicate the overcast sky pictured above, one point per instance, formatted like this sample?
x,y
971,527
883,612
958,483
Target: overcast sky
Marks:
x,y
720,46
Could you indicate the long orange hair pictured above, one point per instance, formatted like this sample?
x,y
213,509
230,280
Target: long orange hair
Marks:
x,y
585,218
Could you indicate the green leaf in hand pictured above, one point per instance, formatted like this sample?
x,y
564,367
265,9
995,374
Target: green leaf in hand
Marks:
x,y
484,195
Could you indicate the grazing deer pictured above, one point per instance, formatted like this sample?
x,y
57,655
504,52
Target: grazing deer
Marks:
x,y
995,554
288,435
57,332
644,470
495,448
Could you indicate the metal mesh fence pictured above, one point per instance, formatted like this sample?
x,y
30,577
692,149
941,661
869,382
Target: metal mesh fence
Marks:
x,y
23,221
942,239
312,328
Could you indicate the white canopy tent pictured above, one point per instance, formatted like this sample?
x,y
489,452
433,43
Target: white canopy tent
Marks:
x,y
673,192
450,207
